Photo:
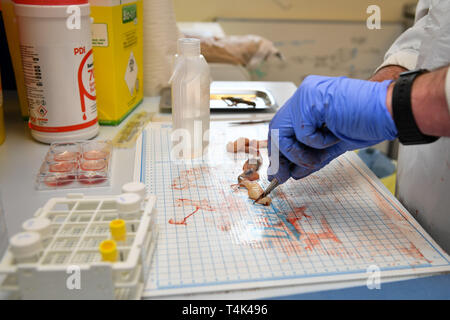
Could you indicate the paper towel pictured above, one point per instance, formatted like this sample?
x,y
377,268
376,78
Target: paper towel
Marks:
x,y
160,44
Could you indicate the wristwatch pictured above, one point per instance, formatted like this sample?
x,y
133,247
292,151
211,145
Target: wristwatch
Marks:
x,y
408,131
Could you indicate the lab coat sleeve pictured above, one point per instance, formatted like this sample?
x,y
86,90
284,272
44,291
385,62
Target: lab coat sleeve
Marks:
x,y
405,50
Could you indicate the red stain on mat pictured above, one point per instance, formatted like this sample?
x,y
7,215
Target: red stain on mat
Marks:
x,y
190,178
297,215
314,239
414,253
199,205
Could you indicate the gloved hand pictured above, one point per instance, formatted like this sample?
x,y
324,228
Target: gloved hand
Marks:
x,y
326,117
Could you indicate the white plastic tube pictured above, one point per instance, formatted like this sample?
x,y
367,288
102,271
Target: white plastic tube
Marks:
x,y
42,226
26,247
128,206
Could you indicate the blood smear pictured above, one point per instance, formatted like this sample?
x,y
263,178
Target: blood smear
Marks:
x,y
172,221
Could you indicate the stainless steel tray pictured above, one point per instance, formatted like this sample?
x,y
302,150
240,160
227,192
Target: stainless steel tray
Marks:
x,y
230,99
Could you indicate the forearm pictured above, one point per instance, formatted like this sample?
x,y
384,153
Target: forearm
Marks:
x,y
429,103
388,73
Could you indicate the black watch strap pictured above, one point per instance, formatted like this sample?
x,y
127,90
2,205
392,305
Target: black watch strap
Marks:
x,y
408,131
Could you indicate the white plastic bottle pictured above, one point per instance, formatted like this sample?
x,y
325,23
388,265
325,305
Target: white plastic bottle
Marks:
x,y
56,49
191,98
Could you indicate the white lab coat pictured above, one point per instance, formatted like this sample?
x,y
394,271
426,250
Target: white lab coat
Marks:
x,y
423,178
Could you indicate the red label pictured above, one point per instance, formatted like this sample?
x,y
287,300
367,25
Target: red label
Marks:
x,y
90,91
63,129
80,51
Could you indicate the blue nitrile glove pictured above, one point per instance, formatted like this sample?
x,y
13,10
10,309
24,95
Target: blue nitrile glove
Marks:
x,y
326,117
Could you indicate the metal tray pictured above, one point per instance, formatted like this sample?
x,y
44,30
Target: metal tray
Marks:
x,y
230,99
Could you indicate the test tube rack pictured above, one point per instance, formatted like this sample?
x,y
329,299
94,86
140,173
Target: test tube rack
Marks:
x,y
71,266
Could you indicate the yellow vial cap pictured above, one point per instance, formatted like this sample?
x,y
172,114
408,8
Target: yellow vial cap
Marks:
x,y
118,230
108,250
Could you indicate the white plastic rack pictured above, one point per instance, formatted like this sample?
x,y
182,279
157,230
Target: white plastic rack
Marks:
x,y
70,265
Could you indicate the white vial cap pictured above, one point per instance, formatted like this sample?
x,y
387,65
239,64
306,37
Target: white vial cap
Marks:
x,y
189,46
134,187
39,225
128,203
25,244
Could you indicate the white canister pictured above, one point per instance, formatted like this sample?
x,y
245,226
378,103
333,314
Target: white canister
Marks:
x,y
26,247
58,65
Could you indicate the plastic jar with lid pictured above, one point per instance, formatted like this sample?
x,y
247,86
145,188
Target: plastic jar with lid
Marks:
x,y
129,206
129,209
43,226
56,49
26,247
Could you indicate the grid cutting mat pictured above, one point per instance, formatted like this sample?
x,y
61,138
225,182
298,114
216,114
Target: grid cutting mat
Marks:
x,y
334,225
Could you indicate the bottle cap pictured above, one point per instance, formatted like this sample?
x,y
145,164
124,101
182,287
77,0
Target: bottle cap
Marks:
x,y
189,46
26,244
108,250
134,187
128,203
118,230
39,225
